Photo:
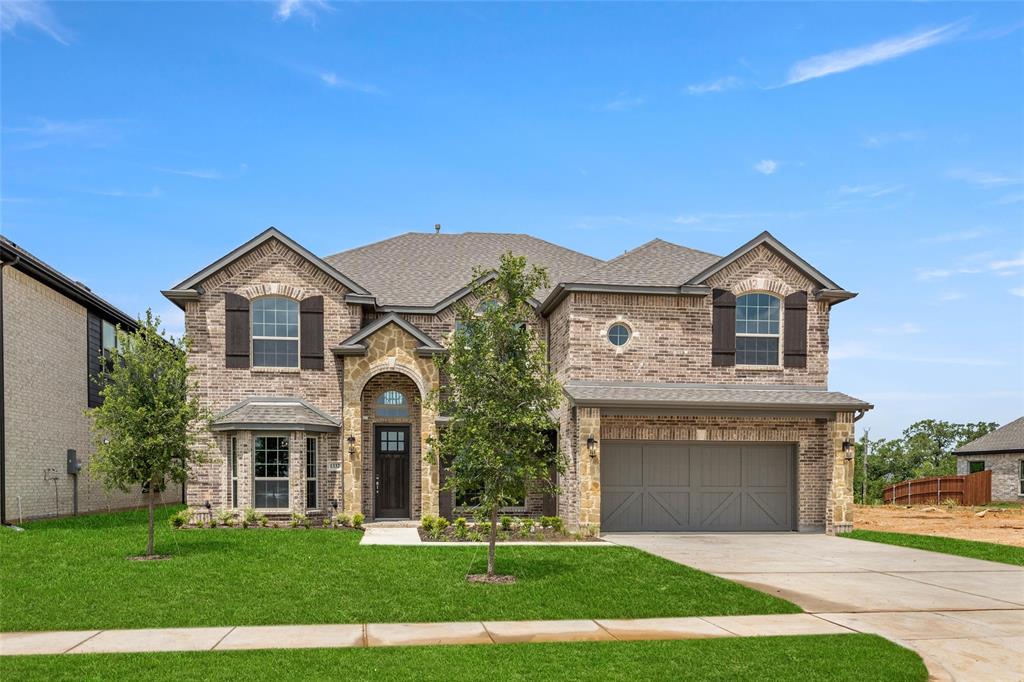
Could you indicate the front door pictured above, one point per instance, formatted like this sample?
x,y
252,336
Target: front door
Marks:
x,y
391,472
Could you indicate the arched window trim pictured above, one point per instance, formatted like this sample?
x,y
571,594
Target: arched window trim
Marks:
x,y
254,337
391,409
777,335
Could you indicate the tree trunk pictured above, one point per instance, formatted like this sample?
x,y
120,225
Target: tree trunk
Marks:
x,y
492,541
149,495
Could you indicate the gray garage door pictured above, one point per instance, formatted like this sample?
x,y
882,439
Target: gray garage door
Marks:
x,y
696,487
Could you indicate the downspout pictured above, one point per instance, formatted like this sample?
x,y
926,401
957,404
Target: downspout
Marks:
x,y
3,402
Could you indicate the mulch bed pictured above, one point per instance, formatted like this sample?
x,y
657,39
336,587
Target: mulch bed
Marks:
x,y
151,557
540,535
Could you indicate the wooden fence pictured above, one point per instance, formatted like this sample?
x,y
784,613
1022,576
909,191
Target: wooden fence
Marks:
x,y
968,490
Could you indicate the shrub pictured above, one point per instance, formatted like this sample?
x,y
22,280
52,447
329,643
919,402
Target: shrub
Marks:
x,y
299,520
427,522
343,520
225,517
328,522
250,517
439,527
461,528
507,522
357,520
503,535
951,502
210,522
476,536
555,523
181,518
262,520
528,526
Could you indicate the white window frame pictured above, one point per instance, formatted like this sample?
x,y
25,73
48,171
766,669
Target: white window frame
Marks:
x,y
297,338
779,350
256,478
104,326
312,480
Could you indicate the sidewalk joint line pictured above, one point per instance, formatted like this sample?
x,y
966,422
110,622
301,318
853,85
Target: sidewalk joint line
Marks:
x,y
95,634
230,630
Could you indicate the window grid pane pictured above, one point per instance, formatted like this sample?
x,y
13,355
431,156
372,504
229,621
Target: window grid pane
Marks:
x,y
392,404
757,314
757,350
618,334
275,353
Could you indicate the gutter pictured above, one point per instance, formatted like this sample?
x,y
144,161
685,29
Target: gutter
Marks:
x,y
563,289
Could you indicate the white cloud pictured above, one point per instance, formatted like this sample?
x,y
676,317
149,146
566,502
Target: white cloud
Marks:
x,y
1000,266
308,9
624,102
45,132
720,85
985,179
871,191
952,296
905,329
875,53
960,236
766,166
126,194
33,13
686,220
1013,262
332,80
200,174
859,350
1019,291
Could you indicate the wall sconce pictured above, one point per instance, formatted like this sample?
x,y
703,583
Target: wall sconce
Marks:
x,y
334,504
207,504
351,444
848,449
592,445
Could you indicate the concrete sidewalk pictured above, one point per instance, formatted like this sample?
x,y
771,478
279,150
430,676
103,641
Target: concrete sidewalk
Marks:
x,y
409,634
964,616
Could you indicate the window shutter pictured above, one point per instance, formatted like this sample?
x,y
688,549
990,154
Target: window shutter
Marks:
x,y
236,331
446,498
311,332
94,346
795,330
723,328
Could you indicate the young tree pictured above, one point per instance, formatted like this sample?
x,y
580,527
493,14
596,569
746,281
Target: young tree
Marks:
x,y
147,424
499,395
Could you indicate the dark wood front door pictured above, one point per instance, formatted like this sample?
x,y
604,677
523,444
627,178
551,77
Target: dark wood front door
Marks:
x,y
391,472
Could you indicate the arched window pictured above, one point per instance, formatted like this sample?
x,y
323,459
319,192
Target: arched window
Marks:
x,y
757,329
391,404
275,332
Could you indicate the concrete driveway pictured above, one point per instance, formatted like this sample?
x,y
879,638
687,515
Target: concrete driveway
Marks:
x,y
964,616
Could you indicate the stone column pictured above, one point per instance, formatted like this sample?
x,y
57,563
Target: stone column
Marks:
x,y
589,465
297,471
429,471
839,506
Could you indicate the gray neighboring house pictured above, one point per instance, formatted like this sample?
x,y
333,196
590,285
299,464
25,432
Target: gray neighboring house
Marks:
x,y
53,332
1002,452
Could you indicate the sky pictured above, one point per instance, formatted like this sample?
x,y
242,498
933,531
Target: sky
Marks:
x,y
884,143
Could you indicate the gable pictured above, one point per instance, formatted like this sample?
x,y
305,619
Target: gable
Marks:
x,y
785,261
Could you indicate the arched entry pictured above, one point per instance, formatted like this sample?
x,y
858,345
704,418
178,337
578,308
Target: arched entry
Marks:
x,y
391,440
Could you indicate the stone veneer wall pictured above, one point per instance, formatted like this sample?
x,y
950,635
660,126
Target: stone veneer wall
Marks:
x,y
824,478
1005,468
270,269
45,397
671,340
390,349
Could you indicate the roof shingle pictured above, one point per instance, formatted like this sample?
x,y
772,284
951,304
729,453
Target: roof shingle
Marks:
x,y
1007,438
274,413
714,395
656,263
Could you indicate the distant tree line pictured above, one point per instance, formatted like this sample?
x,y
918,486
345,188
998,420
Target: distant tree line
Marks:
x,y
925,449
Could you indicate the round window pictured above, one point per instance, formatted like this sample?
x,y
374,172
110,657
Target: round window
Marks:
x,y
618,334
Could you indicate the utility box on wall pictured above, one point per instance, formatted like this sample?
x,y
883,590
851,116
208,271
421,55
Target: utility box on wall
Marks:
x,y
73,464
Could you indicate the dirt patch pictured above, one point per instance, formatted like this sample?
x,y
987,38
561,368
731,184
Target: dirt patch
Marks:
x,y
1002,525
151,557
492,580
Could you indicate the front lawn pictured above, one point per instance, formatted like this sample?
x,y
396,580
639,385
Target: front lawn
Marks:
x,y
831,658
72,574
990,551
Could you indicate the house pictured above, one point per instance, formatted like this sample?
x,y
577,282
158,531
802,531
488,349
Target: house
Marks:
x,y
1002,452
54,332
696,386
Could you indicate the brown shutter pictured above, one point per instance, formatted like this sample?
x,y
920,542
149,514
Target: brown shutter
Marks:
x,y
311,332
94,346
795,330
723,328
236,331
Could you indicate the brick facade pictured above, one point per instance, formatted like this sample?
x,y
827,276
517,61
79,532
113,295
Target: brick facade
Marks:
x,y
1006,473
45,398
670,343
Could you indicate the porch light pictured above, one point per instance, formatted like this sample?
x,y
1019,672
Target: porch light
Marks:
x,y
334,504
848,448
592,445
351,445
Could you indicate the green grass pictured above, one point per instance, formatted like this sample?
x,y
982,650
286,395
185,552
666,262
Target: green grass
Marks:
x,y
831,658
990,551
73,574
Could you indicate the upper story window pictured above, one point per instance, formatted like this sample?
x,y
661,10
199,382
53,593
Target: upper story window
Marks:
x,y
391,404
757,329
275,332
618,334
109,337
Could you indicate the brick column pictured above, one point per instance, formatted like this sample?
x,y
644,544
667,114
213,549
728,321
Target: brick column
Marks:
x,y
297,471
589,466
839,506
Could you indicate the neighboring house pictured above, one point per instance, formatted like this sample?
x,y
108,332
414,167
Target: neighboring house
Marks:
x,y
54,332
696,386
1002,452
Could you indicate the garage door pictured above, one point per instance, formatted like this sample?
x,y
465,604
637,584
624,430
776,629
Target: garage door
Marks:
x,y
696,487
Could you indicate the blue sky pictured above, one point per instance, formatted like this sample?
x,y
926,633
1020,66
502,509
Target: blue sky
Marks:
x,y
882,142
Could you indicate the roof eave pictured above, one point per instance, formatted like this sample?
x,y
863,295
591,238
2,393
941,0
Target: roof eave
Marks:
x,y
994,451
563,289
180,297
274,426
726,405
835,296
